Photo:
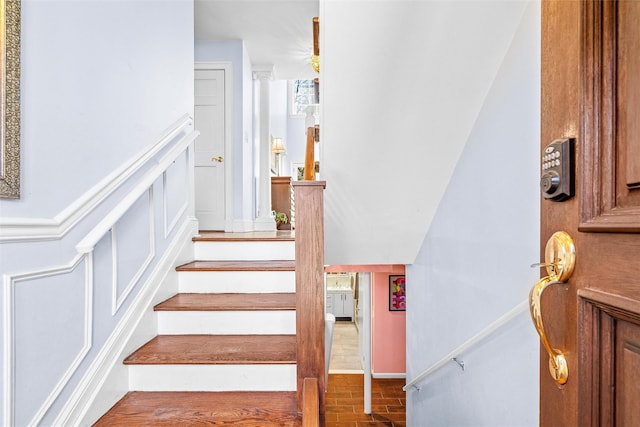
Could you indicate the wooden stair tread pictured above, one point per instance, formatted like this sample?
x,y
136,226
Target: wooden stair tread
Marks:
x,y
228,302
238,266
216,349
203,408
255,236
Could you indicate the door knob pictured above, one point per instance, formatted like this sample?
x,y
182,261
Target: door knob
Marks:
x,y
218,159
560,257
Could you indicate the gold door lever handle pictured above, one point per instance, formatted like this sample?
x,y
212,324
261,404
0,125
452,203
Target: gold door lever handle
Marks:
x,y
560,255
218,159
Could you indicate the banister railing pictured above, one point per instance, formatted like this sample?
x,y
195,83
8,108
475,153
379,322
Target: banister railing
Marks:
x,y
470,343
310,322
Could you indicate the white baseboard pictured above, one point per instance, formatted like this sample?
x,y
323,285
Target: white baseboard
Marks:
x,y
388,376
106,380
346,371
373,375
242,226
264,224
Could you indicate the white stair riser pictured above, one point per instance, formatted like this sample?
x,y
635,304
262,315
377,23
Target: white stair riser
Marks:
x,y
227,322
237,281
212,377
245,251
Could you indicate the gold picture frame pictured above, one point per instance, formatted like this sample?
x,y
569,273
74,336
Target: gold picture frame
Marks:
x,y
10,94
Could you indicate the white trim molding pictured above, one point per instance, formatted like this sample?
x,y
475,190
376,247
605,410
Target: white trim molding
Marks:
x,y
388,376
23,229
242,226
88,243
9,335
177,142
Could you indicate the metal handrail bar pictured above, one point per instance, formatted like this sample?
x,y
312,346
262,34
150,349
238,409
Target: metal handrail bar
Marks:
x,y
471,342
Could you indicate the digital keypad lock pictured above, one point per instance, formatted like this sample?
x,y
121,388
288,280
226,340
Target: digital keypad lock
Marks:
x,y
557,180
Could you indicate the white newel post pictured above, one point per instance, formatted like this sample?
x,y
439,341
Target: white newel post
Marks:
x,y
264,222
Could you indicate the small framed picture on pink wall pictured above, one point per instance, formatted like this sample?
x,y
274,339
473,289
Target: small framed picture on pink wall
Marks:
x,y
397,295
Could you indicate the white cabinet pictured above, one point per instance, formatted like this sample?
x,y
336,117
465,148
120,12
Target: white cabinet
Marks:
x,y
340,303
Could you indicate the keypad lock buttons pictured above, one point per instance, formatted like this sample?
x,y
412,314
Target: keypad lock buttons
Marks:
x,y
558,169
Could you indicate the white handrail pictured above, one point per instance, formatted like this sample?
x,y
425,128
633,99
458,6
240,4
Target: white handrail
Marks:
x,y
22,229
87,244
471,342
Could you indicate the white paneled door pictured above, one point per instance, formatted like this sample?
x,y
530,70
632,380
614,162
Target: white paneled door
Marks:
x,y
209,149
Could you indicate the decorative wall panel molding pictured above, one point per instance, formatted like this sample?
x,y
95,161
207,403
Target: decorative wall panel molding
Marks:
x,y
169,197
10,282
82,399
133,253
21,229
118,300
87,244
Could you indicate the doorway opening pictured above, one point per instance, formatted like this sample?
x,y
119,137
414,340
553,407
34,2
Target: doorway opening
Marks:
x,y
342,302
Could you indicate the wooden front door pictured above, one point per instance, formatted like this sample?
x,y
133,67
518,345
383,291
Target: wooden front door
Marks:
x,y
591,92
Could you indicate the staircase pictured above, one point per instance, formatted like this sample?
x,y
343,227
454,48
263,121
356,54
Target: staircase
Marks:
x,y
225,352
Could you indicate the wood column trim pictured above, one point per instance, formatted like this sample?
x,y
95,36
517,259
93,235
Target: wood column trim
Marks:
x,y
310,316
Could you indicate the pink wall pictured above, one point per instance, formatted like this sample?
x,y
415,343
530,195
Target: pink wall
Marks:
x,y
388,328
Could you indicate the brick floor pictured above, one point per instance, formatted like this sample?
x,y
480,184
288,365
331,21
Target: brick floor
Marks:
x,y
345,402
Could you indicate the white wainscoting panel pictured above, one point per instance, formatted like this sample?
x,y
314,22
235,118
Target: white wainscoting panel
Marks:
x,y
91,399
63,295
175,200
10,282
132,233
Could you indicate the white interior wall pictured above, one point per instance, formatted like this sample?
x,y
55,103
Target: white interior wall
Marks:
x,y
95,91
402,84
247,198
86,93
290,127
473,265
296,133
278,113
